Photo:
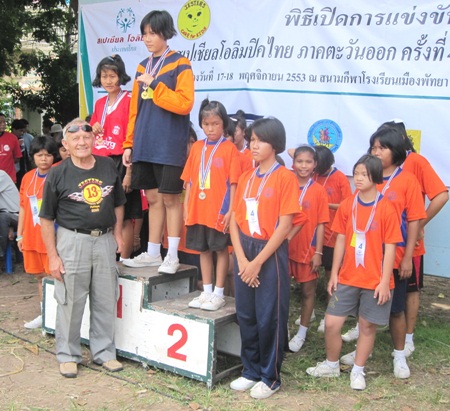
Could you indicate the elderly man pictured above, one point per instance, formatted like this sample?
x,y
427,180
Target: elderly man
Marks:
x,y
84,197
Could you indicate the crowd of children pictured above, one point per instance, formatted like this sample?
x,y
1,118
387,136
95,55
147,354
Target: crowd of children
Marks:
x,y
282,223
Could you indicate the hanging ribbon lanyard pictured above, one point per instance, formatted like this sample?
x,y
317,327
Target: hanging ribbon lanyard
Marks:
x,y
408,152
35,203
394,174
326,179
204,172
252,203
154,72
107,109
302,194
359,237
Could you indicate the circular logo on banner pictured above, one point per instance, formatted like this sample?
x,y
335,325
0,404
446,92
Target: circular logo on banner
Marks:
x,y
125,19
193,19
325,133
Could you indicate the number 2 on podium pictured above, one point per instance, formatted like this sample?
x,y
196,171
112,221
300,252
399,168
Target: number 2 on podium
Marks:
x,y
172,351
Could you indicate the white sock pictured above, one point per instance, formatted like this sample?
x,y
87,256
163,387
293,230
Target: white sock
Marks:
x,y
332,364
218,291
173,247
399,354
409,338
357,369
153,249
207,288
302,332
357,327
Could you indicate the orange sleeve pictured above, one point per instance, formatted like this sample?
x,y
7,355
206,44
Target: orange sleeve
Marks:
x,y
181,100
128,143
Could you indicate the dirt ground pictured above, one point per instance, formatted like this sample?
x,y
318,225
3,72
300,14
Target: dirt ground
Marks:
x,y
30,379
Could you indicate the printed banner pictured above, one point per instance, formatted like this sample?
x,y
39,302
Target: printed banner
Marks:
x,y
331,71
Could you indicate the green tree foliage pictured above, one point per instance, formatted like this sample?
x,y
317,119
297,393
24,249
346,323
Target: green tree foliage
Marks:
x,y
37,22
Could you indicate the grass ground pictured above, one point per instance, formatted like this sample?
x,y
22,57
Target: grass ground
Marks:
x,y
139,388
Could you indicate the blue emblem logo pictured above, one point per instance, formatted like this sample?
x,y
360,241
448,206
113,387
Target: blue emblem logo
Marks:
x,y
125,19
325,133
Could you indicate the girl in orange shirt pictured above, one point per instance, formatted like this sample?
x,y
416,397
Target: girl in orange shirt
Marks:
x,y
43,151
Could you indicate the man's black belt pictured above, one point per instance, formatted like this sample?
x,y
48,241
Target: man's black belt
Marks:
x,y
96,232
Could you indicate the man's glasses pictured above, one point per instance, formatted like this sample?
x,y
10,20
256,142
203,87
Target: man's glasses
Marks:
x,y
74,128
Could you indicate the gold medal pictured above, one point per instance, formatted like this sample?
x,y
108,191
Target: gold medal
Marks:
x,y
147,94
202,195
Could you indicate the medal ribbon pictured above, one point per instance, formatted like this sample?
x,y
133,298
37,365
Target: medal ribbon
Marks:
x,y
252,203
305,189
204,171
360,247
107,110
325,182
158,66
261,184
394,174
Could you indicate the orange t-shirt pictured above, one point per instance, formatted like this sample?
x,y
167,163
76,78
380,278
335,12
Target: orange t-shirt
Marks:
x,y
246,159
315,206
32,185
225,171
338,188
385,229
430,184
404,193
278,197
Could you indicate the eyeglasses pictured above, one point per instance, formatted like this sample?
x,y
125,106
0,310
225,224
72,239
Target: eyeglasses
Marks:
x,y
74,128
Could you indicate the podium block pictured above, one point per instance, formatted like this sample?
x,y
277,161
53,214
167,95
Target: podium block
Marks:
x,y
154,324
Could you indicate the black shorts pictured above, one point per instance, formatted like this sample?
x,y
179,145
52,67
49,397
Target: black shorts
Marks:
x,y
133,206
148,176
399,297
327,258
202,238
415,282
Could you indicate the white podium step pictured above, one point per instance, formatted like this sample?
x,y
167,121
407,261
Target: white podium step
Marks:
x,y
154,324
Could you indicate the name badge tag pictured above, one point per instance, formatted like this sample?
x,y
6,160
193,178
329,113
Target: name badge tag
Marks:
x,y
360,249
252,216
35,205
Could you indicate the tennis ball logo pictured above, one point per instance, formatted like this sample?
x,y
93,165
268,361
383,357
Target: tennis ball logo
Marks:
x,y
194,19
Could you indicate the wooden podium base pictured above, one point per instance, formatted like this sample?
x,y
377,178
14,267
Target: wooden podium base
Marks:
x,y
154,324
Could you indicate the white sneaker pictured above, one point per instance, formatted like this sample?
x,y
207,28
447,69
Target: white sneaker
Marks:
x,y
296,343
198,301
313,318
409,349
214,303
261,391
36,323
401,369
143,260
357,380
321,327
351,335
242,384
169,266
322,369
349,359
